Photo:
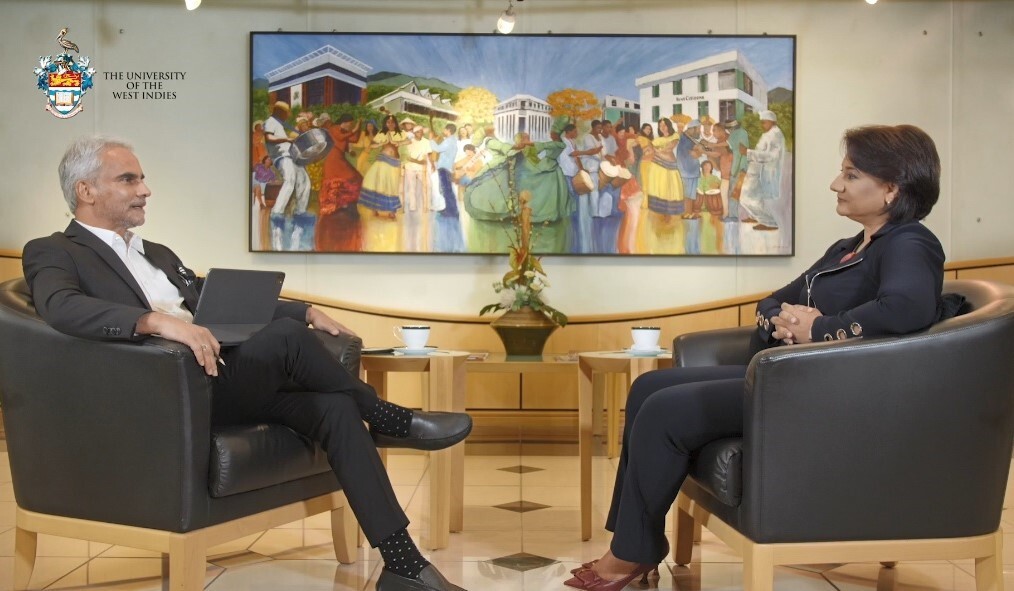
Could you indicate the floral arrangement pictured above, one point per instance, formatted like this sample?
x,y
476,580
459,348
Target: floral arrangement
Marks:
x,y
524,285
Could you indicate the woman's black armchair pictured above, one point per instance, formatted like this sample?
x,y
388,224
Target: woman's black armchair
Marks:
x,y
113,442
863,450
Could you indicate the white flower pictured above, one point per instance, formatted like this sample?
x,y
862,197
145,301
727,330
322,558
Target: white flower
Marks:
x,y
507,297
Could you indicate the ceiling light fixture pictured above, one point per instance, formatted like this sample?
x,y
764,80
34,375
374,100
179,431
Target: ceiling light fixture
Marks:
x,y
505,24
192,4
871,2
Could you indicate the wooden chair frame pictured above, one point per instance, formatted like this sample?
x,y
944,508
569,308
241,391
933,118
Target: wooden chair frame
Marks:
x,y
759,560
185,553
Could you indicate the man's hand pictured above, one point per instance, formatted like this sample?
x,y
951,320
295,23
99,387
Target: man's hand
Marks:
x,y
793,323
200,340
322,321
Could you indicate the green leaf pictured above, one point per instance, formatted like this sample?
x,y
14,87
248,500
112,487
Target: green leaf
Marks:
x,y
489,308
555,315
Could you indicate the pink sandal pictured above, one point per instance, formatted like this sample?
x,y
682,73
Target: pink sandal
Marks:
x,y
589,580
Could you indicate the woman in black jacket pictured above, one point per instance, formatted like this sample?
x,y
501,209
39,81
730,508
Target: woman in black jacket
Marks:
x,y
886,280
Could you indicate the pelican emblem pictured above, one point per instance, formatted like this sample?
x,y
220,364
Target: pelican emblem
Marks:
x,y
66,44
63,78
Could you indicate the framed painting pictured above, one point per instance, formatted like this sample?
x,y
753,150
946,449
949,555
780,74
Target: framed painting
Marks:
x,y
406,143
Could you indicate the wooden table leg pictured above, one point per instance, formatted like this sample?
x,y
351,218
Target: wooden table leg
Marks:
x,y
598,404
441,398
458,402
584,413
614,386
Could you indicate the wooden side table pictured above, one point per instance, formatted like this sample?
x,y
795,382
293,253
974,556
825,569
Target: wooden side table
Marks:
x,y
522,364
587,365
444,391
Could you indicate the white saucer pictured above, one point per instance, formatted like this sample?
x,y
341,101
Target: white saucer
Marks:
x,y
407,351
645,352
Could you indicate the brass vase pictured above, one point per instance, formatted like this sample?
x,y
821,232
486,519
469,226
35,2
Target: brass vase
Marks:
x,y
524,331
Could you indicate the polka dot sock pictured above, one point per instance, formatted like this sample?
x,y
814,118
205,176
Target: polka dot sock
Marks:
x,y
401,556
389,419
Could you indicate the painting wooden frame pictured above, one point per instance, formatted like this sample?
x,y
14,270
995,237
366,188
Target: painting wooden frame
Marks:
x,y
482,134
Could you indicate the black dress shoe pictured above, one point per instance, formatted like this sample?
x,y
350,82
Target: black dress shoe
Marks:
x,y
429,431
429,579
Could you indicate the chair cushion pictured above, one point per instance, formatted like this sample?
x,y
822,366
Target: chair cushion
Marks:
x,y
250,457
718,468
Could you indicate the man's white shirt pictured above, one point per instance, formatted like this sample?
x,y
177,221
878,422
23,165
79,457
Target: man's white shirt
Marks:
x,y
162,295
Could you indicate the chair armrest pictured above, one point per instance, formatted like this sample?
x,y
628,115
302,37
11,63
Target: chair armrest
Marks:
x,y
114,432
840,436
347,349
724,346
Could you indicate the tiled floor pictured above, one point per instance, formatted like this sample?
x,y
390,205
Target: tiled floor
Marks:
x,y
521,534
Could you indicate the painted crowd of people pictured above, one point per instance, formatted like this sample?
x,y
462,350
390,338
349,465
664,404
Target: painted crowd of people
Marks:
x,y
381,170
683,186
680,171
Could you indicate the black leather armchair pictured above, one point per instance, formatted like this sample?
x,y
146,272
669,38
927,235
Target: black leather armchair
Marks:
x,y
862,450
113,442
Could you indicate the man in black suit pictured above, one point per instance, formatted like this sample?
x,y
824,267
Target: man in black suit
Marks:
x,y
99,280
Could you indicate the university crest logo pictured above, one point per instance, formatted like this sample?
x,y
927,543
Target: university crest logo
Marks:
x,y
63,79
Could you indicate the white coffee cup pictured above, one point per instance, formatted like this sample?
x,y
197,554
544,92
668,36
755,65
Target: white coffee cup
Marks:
x,y
413,335
645,337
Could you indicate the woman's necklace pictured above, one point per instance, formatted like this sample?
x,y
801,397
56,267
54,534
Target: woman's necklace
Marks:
x,y
848,256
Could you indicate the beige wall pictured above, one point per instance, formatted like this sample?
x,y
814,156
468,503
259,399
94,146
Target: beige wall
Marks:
x,y
940,65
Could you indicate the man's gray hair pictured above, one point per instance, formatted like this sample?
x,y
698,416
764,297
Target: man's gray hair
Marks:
x,y
82,161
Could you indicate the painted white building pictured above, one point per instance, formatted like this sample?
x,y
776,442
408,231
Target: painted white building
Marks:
x,y
322,77
617,108
725,86
523,112
408,98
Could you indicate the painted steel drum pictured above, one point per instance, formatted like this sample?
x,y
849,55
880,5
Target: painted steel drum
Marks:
x,y
311,146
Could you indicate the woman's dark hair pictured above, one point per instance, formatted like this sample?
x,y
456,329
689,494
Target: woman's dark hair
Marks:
x,y
648,133
903,155
668,126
